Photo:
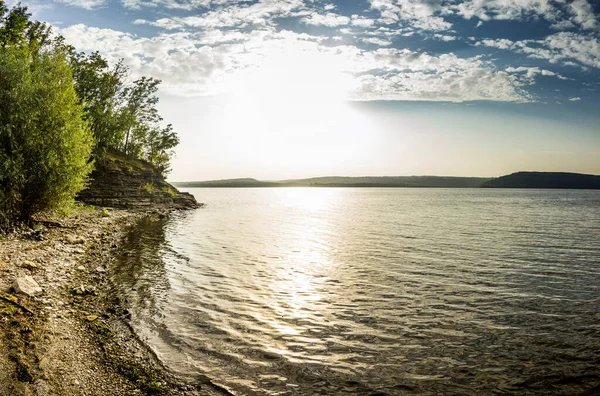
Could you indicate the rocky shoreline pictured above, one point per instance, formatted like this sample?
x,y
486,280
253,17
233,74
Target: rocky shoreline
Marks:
x,y
72,337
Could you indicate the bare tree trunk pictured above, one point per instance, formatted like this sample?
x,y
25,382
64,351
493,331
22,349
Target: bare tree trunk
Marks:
x,y
127,140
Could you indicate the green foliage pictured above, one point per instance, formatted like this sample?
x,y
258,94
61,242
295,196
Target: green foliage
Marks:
x,y
159,145
45,144
99,88
123,117
57,107
149,187
169,191
13,25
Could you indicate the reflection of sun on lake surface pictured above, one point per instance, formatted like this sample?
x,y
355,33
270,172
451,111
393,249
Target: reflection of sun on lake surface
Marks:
x,y
298,279
307,198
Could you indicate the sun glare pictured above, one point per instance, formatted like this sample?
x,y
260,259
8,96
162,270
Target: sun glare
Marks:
x,y
291,112
295,75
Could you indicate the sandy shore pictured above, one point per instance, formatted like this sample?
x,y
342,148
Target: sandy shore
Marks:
x,y
74,338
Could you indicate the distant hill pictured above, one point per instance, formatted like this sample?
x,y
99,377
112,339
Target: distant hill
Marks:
x,y
337,181
545,180
228,183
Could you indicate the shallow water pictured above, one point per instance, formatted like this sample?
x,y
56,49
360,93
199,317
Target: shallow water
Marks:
x,y
359,291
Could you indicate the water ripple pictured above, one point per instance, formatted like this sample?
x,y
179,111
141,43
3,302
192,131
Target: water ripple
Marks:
x,y
374,291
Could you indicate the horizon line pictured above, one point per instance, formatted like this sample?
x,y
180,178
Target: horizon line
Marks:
x,y
371,176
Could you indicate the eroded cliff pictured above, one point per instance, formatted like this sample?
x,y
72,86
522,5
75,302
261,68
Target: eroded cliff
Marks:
x,y
121,182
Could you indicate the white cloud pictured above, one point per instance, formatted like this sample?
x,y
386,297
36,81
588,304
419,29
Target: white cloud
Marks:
x,y
361,21
214,61
532,72
421,14
329,19
575,99
85,4
583,14
505,9
377,41
165,23
448,85
444,37
237,13
562,46
430,14
179,4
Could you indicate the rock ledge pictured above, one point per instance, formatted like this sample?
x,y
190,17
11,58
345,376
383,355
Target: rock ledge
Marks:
x,y
121,182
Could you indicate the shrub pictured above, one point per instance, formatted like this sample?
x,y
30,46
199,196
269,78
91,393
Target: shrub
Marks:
x,y
45,145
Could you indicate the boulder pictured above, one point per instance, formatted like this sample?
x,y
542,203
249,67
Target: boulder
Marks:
x,y
28,286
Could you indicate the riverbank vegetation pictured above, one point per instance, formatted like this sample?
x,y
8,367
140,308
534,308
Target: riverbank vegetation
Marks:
x,y
60,112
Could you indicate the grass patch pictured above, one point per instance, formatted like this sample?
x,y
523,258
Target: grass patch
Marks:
x,y
146,378
149,187
101,329
7,309
170,191
114,161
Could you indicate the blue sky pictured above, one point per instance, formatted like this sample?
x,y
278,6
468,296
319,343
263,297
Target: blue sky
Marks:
x,y
262,88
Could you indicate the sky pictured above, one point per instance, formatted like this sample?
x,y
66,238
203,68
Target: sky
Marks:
x,y
280,89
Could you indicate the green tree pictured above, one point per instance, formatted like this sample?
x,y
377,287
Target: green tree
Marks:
x,y
141,113
100,89
123,116
45,143
13,24
159,147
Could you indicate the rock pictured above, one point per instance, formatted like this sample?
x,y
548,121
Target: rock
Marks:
x,y
100,270
28,286
30,265
83,290
79,290
81,268
123,183
202,379
75,240
36,235
91,318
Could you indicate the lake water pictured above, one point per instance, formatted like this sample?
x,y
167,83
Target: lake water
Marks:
x,y
374,291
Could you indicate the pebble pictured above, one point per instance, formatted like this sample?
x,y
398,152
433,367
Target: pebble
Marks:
x,y
28,286
81,268
29,265
74,240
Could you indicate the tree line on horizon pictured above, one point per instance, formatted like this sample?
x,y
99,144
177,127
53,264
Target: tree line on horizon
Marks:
x,y
61,111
